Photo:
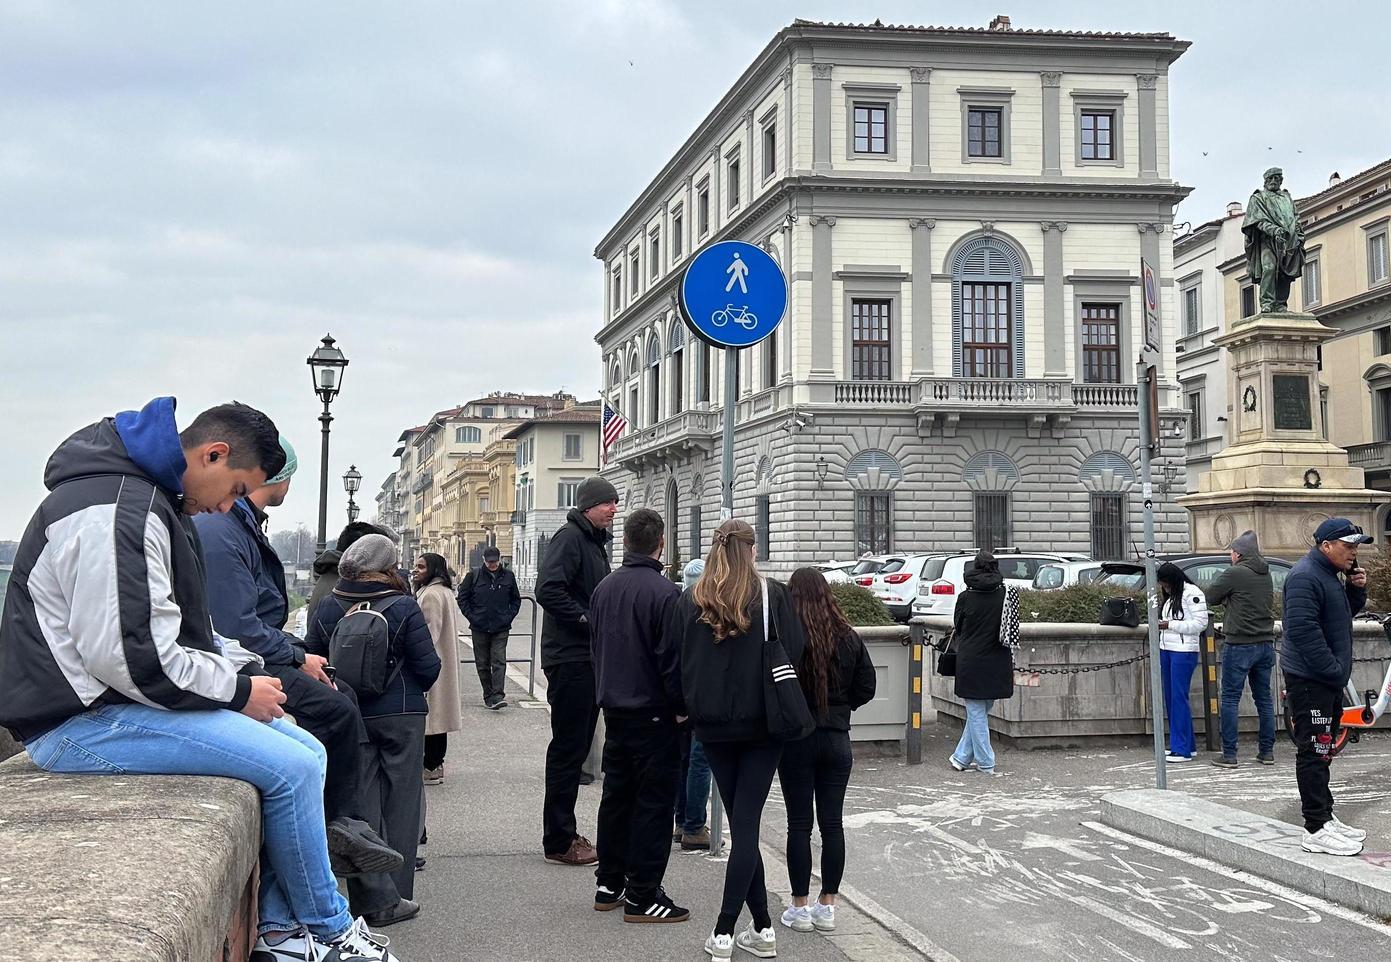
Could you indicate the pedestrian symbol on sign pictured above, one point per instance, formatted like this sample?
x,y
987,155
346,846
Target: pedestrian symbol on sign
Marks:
x,y
737,271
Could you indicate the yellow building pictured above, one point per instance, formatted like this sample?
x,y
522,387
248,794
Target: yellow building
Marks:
x,y
1347,286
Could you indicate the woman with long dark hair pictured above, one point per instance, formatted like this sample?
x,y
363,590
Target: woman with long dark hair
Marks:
x,y
719,626
837,678
434,592
1182,619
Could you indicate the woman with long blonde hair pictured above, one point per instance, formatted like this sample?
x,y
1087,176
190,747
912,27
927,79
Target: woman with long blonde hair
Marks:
x,y
719,626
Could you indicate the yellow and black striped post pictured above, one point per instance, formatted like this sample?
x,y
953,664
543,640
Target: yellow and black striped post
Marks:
x,y
913,734
1207,650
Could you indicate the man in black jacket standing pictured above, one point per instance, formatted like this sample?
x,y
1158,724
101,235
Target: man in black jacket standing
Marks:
x,y
576,560
637,674
490,601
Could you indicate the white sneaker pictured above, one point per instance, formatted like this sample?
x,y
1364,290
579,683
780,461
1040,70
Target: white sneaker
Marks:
x,y
957,765
823,917
1346,830
1173,759
359,943
798,918
1326,841
298,947
763,944
719,946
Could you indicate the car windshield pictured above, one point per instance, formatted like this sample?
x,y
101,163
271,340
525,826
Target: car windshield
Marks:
x,y
1020,569
1049,576
891,566
867,567
1128,580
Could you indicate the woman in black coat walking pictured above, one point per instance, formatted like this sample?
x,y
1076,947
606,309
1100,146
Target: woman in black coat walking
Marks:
x,y
984,660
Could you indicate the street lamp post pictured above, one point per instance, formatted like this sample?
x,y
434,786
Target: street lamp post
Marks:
x,y
327,364
352,480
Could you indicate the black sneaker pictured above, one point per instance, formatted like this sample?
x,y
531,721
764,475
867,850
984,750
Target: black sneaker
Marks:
x,y
660,909
1266,759
606,900
355,849
496,704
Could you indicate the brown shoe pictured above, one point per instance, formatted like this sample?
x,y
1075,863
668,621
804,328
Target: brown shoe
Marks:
x,y
580,852
700,840
434,776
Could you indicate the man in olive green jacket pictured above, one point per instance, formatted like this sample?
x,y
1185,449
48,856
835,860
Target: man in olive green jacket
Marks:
x,y
1249,653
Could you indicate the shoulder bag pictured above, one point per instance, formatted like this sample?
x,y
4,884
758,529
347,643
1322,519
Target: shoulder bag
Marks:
x,y
789,717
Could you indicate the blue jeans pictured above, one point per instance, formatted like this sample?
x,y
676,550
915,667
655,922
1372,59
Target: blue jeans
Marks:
x,y
975,737
285,764
1176,670
1240,662
694,791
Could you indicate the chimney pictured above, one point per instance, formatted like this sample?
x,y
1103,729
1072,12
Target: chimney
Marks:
x,y
1234,209
1001,22
1334,179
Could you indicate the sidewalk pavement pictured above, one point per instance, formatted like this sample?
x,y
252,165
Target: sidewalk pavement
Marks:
x,y
487,893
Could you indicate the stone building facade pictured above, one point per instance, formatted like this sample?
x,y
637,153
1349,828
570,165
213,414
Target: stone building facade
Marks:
x,y
961,215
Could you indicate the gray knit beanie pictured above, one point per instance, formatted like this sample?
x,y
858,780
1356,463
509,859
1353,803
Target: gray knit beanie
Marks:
x,y
594,491
372,552
1246,544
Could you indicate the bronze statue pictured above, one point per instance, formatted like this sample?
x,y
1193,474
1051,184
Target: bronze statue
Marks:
x,y
1274,242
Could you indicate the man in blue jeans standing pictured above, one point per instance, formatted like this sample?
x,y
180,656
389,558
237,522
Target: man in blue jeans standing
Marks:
x,y
109,664
1249,650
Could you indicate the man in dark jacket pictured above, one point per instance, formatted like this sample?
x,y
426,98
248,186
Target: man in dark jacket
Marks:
x,y
1322,594
1245,590
637,672
490,601
249,604
576,560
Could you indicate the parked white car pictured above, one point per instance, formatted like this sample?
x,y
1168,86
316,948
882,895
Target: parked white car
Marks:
x,y
871,564
1065,574
943,577
896,584
835,572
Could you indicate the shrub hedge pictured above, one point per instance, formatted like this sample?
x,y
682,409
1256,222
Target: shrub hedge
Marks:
x,y
861,608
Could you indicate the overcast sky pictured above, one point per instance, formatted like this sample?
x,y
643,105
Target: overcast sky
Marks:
x,y
192,194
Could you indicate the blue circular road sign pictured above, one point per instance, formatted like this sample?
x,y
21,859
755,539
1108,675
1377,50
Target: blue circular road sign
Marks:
x,y
733,294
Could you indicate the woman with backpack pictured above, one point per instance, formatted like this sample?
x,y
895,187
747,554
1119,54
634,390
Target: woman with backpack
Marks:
x,y
1182,620
837,678
434,592
719,626
986,632
373,632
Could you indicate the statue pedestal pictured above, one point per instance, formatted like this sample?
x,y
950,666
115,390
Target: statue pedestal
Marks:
x,y
1278,477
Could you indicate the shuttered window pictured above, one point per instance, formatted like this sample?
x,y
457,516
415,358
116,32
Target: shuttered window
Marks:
x,y
1110,537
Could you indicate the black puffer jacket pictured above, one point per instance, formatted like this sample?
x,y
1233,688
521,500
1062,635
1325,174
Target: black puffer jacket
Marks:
x,y
723,682
984,666
577,559
851,683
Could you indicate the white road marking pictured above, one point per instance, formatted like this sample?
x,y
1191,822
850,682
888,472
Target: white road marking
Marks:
x,y
1069,847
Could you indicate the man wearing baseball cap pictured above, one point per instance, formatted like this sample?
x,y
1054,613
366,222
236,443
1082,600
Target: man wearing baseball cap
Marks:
x,y
1322,594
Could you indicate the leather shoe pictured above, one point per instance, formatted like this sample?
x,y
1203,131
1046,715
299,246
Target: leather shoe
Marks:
x,y
697,840
355,849
402,911
580,852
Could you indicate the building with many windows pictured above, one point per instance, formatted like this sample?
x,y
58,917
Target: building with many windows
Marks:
x,y
961,215
554,453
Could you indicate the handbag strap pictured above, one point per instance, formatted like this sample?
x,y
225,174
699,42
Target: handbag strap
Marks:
x,y
766,636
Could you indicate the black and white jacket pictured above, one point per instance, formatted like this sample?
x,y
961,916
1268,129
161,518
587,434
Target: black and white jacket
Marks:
x,y
107,601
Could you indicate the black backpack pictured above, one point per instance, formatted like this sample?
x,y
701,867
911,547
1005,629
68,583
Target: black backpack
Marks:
x,y
360,648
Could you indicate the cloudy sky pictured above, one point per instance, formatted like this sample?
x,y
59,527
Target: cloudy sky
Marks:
x,y
192,194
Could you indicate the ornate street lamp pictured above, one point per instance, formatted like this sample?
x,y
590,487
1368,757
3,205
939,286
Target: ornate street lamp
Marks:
x,y
326,364
352,480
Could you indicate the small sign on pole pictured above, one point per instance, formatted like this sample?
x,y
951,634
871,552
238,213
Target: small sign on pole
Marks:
x,y
1149,284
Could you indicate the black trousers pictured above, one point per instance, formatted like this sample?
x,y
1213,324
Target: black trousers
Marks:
x,y
816,769
642,764
490,658
744,773
570,692
1317,710
331,716
392,796
435,748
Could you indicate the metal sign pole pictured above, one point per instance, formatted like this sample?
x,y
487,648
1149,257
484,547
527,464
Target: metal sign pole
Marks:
x,y
1149,400
731,400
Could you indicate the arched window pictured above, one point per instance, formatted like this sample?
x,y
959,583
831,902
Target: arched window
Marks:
x,y
654,380
987,309
634,409
468,435
677,341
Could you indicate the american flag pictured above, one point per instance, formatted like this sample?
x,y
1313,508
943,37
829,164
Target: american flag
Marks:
x,y
614,426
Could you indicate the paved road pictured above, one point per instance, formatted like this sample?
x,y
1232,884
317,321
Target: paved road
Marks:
x,y
986,867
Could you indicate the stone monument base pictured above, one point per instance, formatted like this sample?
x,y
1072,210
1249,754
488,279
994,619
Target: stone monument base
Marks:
x,y
1284,518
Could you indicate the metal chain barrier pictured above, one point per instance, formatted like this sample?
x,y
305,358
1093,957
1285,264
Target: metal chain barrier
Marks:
x,y
1084,668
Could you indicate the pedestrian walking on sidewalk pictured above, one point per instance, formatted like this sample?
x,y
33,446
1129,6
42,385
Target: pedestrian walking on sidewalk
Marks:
x,y
489,599
1322,594
837,678
986,626
693,790
434,592
576,560
719,625
370,588
1182,621
1248,650
637,675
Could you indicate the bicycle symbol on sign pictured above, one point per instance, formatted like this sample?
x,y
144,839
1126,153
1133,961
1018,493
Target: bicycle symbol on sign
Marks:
x,y
741,316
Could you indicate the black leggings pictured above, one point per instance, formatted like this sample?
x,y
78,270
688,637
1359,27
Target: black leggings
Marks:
x,y
744,773
815,768
435,746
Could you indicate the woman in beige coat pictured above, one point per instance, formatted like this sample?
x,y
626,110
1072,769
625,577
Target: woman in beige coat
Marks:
x,y
434,592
